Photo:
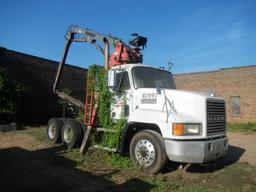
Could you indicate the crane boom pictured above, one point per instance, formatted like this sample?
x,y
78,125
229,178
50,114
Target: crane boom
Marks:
x,y
123,53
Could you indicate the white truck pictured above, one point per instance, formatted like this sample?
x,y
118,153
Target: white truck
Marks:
x,y
163,123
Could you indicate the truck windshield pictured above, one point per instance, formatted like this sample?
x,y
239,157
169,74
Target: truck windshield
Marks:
x,y
146,77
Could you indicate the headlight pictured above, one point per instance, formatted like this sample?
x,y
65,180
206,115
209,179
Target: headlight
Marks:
x,y
192,129
180,129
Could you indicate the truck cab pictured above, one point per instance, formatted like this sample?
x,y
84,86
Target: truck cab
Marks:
x,y
190,126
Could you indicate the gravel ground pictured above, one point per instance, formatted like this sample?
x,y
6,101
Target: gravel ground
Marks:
x,y
246,142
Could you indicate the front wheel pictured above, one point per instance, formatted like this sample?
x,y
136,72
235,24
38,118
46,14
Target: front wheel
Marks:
x,y
147,150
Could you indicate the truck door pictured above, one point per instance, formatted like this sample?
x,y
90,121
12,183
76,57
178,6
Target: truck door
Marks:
x,y
122,101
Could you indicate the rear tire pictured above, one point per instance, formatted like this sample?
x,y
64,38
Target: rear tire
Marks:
x,y
72,133
147,151
54,130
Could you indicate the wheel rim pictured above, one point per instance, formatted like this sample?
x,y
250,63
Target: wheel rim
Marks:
x,y
145,152
52,131
68,134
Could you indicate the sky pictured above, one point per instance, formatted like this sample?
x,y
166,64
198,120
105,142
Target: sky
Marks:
x,y
195,35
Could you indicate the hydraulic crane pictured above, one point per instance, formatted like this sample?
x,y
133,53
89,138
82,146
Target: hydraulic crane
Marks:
x,y
123,54
162,122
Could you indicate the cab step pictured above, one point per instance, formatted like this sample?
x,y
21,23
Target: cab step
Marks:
x,y
99,129
105,148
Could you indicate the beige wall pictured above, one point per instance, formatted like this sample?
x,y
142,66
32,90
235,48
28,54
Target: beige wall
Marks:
x,y
237,81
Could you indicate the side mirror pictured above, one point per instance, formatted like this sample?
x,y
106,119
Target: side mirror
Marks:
x,y
112,79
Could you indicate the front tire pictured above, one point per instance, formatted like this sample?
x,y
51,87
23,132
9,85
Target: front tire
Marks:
x,y
72,133
147,150
54,130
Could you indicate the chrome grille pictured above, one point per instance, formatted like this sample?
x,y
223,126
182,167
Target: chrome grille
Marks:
x,y
216,117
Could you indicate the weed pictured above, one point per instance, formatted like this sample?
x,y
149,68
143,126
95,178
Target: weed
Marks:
x,y
119,161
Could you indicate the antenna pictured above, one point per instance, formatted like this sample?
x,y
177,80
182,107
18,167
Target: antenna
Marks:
x,y
170,64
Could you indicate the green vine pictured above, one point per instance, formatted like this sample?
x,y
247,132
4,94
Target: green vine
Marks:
x,y
110,139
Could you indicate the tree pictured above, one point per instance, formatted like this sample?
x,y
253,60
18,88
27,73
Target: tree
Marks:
x,y
10,92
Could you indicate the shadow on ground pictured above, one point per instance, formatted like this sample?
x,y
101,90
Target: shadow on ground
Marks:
x,y
44,170
233,155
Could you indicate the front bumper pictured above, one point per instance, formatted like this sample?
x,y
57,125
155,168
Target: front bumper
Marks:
x,y
196,151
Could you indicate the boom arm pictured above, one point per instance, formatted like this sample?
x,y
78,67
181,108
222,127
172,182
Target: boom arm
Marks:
x,y
78,34
122,54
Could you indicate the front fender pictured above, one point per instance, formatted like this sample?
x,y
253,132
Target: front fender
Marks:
x,y
160,119
148,116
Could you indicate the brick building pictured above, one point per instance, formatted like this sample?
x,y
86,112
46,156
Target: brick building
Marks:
x,y
237,85
38,74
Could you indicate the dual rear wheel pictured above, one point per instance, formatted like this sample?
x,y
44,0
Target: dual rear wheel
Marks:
x,y
67,131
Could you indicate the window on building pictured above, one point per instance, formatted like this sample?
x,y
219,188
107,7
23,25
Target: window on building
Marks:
x,y
235,105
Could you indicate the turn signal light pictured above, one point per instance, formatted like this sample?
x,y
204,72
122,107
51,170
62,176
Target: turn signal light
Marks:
x,y
177,129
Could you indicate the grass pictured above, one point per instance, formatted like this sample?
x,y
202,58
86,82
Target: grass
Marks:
x,y
241,126
219,177
39,133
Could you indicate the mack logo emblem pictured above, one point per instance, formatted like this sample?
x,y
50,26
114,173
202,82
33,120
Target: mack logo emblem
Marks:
x,y
148,98
215,118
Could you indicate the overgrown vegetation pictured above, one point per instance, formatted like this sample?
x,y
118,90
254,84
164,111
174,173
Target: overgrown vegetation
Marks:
x,y
119,161
241,126
26,102
11,93
104,97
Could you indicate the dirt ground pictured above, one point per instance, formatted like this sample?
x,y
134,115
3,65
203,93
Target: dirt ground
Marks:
x,y
28,164
245,141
